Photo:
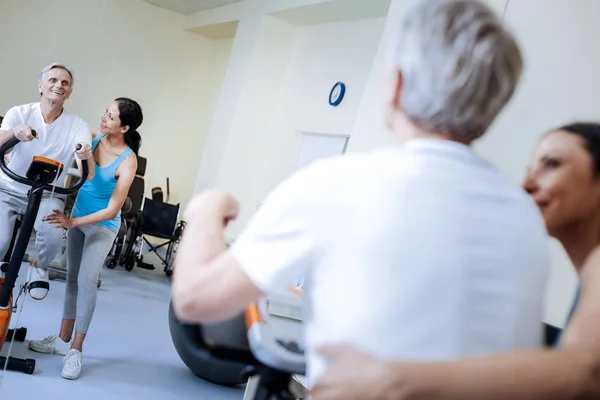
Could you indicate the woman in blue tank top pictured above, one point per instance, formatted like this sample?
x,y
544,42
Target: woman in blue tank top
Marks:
x,y
564,181
93,226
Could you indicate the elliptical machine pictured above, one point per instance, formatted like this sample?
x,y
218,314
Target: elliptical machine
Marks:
x,y
263,347
41,174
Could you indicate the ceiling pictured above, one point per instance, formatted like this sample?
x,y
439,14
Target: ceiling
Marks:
x,y
190,6
334,11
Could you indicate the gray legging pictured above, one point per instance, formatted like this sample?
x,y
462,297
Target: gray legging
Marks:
x,y
87,247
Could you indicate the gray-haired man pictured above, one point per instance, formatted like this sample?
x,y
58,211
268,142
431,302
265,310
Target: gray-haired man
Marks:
x,y
58,133
419,251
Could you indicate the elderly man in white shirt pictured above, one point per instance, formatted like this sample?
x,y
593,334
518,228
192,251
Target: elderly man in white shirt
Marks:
x,y
58,134
418,251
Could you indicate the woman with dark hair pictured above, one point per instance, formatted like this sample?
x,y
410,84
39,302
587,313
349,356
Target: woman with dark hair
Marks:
x,y
564,181
93,226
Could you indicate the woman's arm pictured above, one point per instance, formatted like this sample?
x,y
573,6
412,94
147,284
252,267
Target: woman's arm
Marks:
x,y
353,375
126,176
91,166
544,375
570,372
90,161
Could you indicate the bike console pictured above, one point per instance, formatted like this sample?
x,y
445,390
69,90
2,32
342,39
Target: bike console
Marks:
x,y
44,170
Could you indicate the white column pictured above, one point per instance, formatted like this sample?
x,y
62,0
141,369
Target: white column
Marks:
x,y
229,101
248,104
369,128
251,129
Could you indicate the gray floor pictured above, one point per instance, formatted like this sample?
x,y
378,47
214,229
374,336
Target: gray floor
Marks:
x,y
128,353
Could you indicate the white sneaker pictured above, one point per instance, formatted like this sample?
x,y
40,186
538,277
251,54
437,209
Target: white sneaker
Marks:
x,y
38,283
72,364
50,345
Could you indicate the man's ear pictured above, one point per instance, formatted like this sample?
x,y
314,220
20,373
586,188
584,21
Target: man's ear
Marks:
x,y
398,83
394,98
40,90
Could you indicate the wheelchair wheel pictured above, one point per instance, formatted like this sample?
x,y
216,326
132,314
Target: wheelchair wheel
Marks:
x,y
129,262
111,263
171,252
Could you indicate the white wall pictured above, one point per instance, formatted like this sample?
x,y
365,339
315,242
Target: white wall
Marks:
x,y
561,84
260,99
323,55
120,48
298,84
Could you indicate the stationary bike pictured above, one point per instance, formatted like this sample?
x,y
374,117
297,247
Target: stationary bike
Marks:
x,y
41,174
267,338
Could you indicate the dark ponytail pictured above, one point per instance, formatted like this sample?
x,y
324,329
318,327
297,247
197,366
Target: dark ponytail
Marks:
x,y
133,140
130,114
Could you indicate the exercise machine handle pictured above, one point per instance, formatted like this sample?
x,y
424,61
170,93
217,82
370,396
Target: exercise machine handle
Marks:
x,y
72,189
84,174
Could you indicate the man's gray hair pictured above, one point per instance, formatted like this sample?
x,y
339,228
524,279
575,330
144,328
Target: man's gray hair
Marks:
x,y
460,67
53,65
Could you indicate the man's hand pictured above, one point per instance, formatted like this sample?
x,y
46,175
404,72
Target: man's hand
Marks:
x,y
212,204
59,220
352,375
23,133
85,152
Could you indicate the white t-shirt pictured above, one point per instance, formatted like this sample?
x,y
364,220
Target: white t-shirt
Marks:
x,y
419,252
56,141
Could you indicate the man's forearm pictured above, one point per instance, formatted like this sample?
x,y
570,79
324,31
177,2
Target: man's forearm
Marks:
x,y
200,244
543,375
207,240
5,136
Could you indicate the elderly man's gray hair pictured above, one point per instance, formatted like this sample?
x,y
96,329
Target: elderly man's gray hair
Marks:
x,y
53,65
460,66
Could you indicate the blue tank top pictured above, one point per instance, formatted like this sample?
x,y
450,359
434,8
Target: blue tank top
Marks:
x,y
573,309
95,194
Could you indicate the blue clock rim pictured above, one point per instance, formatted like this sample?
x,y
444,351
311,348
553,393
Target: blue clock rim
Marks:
x,y
337,102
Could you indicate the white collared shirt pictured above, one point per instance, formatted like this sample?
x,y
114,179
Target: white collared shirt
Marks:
x,y
419,252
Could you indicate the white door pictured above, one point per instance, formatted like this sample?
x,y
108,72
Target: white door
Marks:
x,y
314,146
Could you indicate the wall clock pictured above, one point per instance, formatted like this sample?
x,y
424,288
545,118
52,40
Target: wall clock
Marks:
x,y
337,94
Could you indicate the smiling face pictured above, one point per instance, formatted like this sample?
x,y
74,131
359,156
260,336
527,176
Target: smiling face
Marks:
x,y
56,85
563,182
111,121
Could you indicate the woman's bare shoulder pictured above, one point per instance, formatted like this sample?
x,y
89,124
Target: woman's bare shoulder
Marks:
x,y
95,132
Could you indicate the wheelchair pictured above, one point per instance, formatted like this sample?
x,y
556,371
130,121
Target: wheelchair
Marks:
x,y
156,219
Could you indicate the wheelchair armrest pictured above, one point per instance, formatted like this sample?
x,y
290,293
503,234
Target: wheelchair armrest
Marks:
x,y
126,206
122,229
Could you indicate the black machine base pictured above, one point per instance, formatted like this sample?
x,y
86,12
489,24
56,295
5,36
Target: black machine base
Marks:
x,y
18,335
18,364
